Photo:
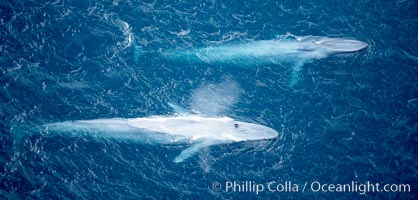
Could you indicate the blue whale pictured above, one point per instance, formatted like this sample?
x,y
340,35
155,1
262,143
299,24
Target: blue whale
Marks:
x,y
292,50
195,130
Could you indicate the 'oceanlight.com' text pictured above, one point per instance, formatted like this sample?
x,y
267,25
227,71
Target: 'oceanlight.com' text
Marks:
x,y
313,186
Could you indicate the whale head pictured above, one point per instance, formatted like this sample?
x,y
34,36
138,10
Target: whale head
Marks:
x,y
249,131
331,45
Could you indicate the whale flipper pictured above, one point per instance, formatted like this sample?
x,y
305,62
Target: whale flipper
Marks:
x,y
192,150
294,76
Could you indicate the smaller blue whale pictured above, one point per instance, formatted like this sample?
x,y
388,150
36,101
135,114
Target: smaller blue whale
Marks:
x,y
293,50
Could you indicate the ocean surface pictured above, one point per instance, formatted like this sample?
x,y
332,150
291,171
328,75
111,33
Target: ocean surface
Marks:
x,y
349,119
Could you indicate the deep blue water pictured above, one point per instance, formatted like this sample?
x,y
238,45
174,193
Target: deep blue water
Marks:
x,y
349,117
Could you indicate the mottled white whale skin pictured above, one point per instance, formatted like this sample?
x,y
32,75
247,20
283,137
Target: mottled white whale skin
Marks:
x,y
199,131
330,45
285,49
292,50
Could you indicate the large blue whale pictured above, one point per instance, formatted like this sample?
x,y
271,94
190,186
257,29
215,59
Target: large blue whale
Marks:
x,y
290,50
195,130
